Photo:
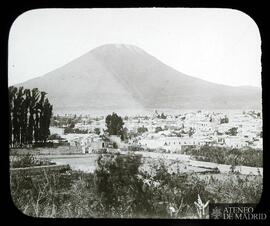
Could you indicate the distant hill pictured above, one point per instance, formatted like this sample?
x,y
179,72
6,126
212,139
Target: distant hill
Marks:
x,y
118,76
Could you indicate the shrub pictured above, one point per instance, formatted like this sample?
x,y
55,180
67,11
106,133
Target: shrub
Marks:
x,y
245,156
28,160
141,130
55,136
118,187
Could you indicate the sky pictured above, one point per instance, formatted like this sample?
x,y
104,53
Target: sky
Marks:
x,y
217,45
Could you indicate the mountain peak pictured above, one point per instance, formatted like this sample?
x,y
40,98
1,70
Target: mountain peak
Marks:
x,y
116,47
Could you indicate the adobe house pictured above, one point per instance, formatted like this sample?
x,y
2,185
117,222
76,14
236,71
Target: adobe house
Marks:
x,y
91,144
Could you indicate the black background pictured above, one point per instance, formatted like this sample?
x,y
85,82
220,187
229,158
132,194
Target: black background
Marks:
x,y
10,10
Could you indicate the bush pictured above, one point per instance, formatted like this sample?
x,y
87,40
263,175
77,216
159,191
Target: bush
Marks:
x,y
55,136
118,187
28,160
141,130
230,156
43,144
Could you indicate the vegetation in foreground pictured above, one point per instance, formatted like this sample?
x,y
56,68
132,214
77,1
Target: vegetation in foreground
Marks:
x,y
119,189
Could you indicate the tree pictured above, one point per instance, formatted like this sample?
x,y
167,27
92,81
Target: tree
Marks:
x,y
97,131
142,130
114,124
191,131
37,112
124,136
158,129
162,116
45,120
12,92
118,185
232,131
41,130
224,120
24,120
71,125
17,116
31,123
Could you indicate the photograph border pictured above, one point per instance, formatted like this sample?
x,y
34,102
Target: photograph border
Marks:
x,y
257,13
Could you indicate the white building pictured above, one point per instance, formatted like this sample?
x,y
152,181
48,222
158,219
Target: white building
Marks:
x,y
171,144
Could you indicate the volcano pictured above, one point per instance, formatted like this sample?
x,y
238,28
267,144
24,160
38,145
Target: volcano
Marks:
x,y
119,76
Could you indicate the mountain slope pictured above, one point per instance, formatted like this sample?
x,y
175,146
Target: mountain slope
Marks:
x,y
117,76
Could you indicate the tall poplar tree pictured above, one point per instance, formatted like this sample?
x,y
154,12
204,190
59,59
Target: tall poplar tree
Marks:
x,y
29,118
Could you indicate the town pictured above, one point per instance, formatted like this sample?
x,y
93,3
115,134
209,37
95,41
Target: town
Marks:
x,y
160,132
